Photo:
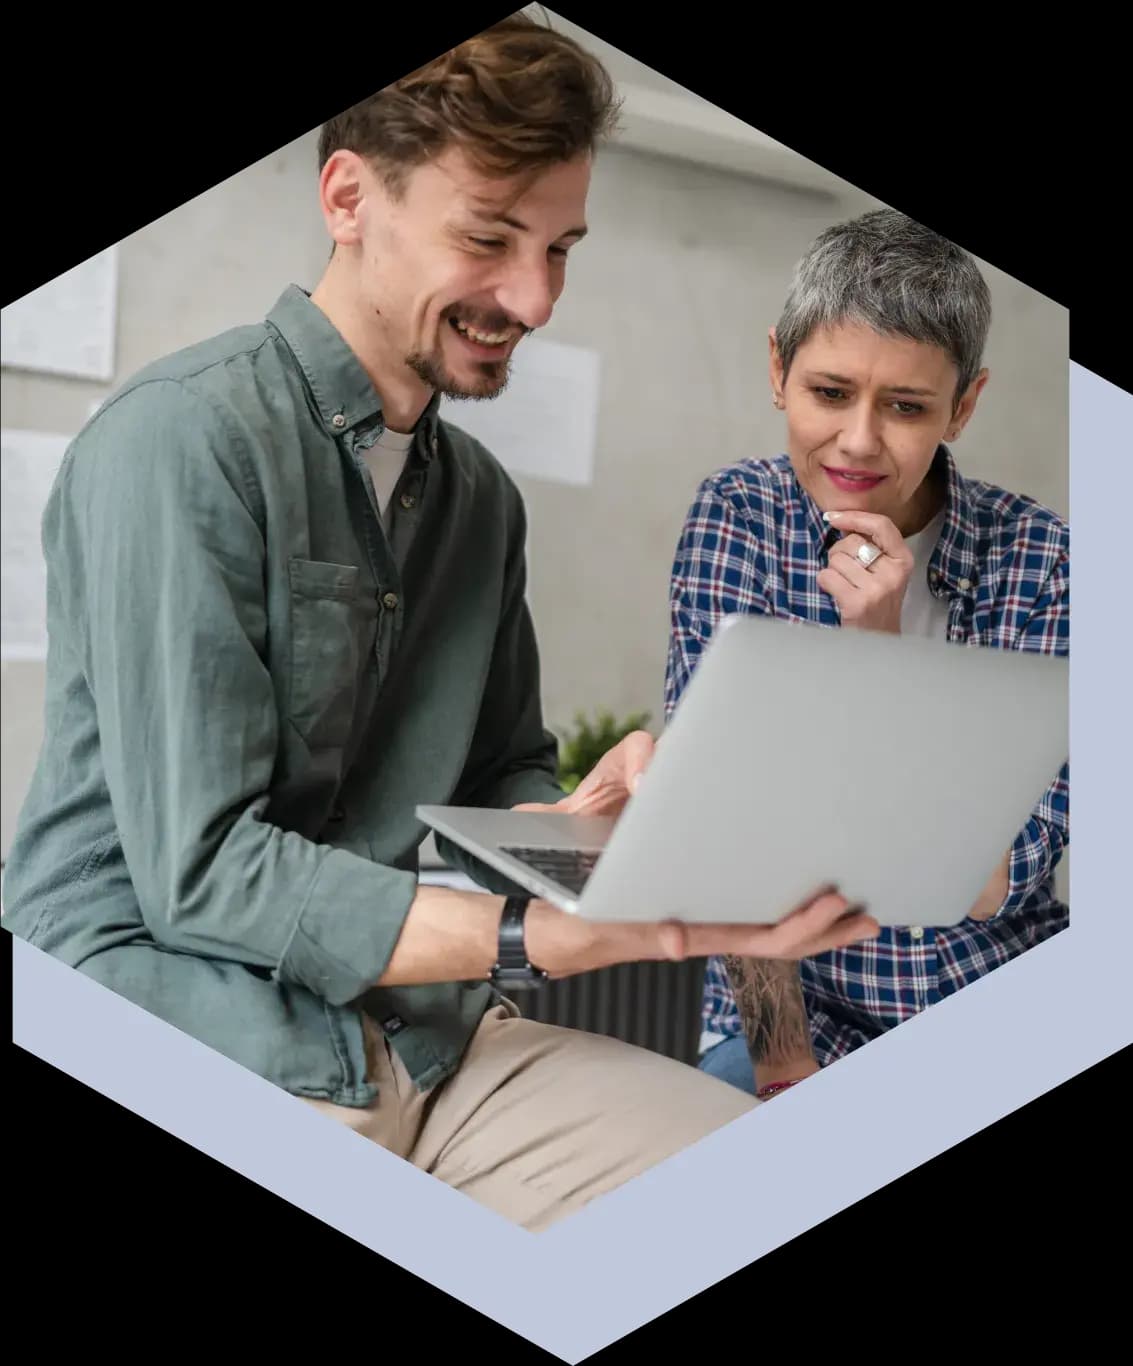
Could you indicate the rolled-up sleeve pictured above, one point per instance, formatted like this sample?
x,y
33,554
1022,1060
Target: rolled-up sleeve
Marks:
x,y
155,528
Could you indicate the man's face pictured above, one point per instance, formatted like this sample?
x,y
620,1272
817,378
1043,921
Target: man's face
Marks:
x,y
457,267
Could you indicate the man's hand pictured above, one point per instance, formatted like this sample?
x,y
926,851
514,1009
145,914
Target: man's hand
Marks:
x,y
823,924
867,598
609,784
452,936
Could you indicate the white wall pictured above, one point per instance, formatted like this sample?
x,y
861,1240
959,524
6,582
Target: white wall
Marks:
x,y
684,271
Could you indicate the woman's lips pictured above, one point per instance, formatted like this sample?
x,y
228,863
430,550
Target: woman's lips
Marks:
x,y
853,481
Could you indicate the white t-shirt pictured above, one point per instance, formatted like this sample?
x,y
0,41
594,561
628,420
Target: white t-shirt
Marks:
x,y
385,460
921,613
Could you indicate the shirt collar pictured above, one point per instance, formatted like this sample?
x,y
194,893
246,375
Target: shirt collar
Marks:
x,y
954,557
344,394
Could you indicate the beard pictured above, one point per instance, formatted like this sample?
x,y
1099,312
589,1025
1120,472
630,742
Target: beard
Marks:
x,y
490,382
491,377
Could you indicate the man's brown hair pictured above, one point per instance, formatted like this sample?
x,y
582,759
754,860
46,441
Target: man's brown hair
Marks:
x,y
515,98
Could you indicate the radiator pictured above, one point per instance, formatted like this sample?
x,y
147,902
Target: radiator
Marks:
x,y
653,1005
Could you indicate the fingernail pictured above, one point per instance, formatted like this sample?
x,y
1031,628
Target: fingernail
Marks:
x,y
829,516
636,783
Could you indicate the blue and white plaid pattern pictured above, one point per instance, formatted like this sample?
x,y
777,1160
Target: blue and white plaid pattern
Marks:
x,y
754,541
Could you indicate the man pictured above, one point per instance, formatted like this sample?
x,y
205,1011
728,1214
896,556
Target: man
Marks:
x,y
286,605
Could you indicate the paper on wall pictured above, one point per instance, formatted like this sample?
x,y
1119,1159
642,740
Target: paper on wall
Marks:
x,y
545,423
67,326
29,462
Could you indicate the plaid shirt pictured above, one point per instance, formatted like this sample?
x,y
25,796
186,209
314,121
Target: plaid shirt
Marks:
x,y
754,541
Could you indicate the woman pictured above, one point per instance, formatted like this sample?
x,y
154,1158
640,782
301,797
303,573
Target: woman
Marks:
x,y
866,522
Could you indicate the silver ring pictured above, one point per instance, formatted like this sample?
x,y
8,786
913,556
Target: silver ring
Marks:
x,y
867,553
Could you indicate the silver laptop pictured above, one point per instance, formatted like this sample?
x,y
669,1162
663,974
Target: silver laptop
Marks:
x,y
898,769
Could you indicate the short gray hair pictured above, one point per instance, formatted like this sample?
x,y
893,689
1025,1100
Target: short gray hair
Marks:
x,y
888,272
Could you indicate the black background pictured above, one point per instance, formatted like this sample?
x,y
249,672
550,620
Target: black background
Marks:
x,y
120,1235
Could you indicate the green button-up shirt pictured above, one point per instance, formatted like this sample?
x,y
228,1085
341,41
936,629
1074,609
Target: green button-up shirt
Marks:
x,y
251,684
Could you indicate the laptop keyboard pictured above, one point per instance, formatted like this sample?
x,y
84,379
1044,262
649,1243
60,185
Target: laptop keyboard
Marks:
x,y
570,868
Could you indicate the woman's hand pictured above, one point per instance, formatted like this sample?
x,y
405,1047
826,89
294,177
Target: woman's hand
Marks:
x,y
870,598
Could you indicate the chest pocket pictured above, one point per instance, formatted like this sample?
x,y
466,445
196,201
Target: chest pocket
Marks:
x,y
333,626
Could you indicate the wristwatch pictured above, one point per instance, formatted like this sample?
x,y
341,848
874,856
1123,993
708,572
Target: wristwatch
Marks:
x,y
513,968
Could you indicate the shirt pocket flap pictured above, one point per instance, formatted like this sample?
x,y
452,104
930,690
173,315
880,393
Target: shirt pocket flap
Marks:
x,y
332,634
320,579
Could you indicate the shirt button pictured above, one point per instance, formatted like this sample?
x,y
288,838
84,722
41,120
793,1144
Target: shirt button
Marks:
x,y
917,932
965,584
338,420
407,500
390,601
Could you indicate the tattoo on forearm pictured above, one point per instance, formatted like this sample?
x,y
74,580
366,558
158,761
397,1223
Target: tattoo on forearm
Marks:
x,y
769,995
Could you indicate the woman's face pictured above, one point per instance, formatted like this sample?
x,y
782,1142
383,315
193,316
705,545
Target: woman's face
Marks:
x,y
865,415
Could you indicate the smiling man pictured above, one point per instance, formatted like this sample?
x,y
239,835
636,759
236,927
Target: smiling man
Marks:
x,y
287,605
